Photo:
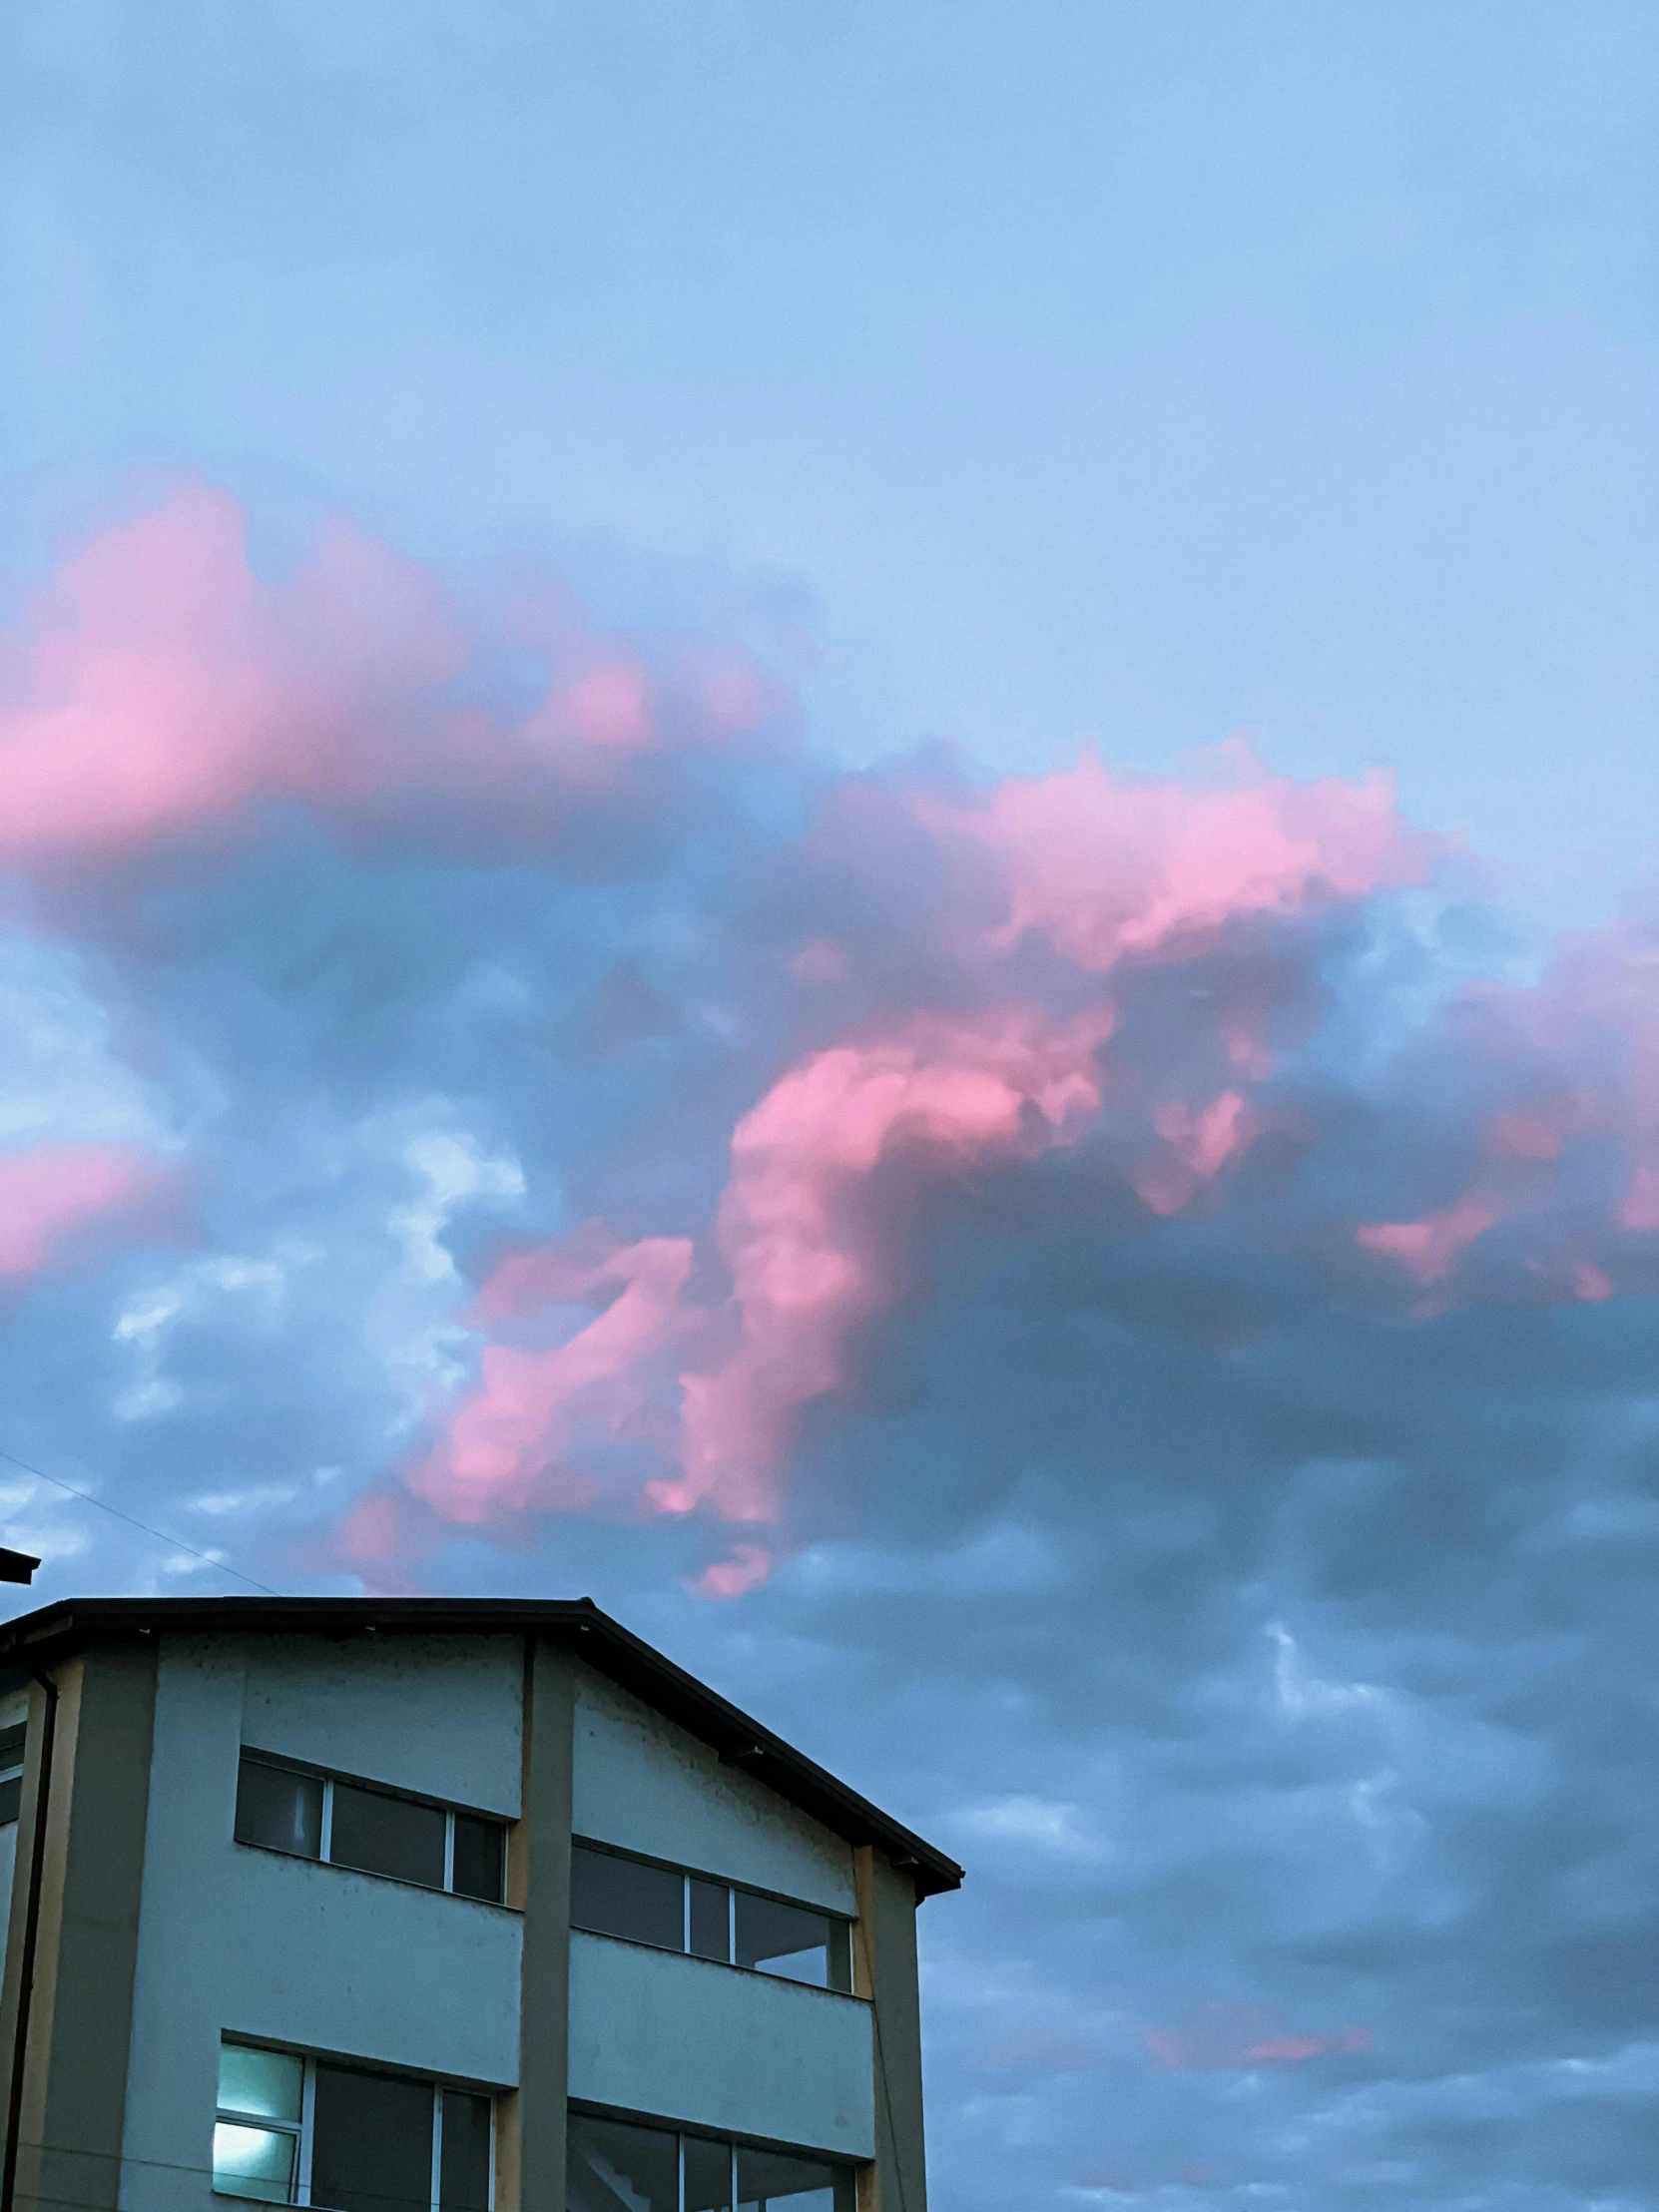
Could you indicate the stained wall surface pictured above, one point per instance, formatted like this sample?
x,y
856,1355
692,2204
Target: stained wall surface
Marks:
x,y
644,1785
234,1939
715,2047
439,1715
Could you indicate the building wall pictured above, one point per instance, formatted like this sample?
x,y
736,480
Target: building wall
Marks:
x,y
225,1937
439,1715
644,1785
242,1940
717,2048
71,2117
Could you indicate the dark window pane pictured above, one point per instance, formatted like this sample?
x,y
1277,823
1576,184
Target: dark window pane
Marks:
x,y
841,1955
768,2181
279,1809
619,1896
11,1745
782,1939
708,2175
711,1933
614,2168
371,2146
11,1799
464,2155
479,1857
387,1835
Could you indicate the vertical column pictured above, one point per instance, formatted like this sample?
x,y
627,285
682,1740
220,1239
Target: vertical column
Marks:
x,y
885,1970
535,2148
81,2009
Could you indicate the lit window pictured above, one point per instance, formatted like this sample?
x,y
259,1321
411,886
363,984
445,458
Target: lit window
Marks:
x,y
611,1895
619,2167
298,2131
350,1824
257,2137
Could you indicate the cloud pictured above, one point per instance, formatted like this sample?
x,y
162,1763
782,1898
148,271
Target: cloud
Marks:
x,y
1117,1310
59,1202
158,688
1222,2037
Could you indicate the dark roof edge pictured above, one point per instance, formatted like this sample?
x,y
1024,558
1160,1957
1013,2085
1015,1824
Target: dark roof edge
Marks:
x,y
58,1630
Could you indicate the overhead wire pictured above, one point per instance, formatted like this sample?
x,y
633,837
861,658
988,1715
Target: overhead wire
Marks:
x,y
161,1535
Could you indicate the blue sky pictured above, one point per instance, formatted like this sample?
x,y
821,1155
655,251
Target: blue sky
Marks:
x,y
1142,371
580,1032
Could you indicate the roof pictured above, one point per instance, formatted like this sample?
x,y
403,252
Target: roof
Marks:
x,y
57,1631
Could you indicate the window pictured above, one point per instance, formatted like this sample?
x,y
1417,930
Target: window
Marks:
x,y
297,2130
645,1903
618,2166
350,1824
11,1774
11,1802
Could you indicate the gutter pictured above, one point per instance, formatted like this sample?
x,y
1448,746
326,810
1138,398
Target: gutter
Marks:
x,y
31,1934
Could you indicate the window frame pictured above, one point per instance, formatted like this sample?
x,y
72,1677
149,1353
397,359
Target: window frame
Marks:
x,y
14,1745
304,2128
846,1922
844,2172
251,1755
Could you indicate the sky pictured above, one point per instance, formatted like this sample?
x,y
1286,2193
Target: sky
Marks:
x,y
842,820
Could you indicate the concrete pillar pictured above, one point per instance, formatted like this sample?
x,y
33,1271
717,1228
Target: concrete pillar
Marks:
x,y
81,2010
885,1970
531,2147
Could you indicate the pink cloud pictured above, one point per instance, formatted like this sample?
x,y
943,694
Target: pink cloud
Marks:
x,y
55,1199
507,1445
812,1251
1581,1050
1430,1249
1200,1144
1223,2036
745,1570
158,686
805,1271
1105,865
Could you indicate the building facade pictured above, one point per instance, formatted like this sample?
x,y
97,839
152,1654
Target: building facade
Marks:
x,y
423,1906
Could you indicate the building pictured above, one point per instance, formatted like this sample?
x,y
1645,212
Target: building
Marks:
x,y
398,1906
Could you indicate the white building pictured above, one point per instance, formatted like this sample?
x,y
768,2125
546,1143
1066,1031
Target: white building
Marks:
x,y
423,1906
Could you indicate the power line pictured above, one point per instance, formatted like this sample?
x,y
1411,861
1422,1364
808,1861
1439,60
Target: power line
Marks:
x,y
161,1535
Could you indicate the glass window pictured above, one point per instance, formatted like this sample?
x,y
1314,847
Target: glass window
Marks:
x,y
464,2154
280,1809
387,1835
255,2162
768,2181
371,2142
478,1858
789,1940
620,1896
251,2160
11,1774
708,2175
711,1916
260,2084
612,2167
